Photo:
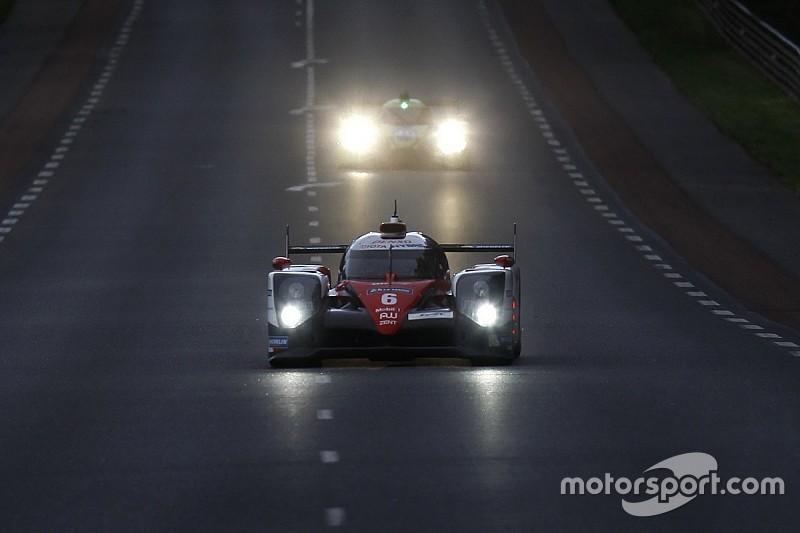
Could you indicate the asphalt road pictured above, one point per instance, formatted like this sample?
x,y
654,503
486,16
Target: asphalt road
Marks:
x,y
135,389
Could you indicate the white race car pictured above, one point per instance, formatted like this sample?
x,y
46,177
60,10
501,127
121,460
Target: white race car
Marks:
x,y
403,132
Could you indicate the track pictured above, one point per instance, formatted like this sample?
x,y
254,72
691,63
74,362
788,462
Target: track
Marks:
x,y
135,390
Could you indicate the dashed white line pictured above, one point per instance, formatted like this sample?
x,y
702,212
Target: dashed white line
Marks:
x,y
59,154
334,517
787,344
329,456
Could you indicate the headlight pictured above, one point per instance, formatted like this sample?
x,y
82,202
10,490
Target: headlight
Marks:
x,y
358,134
291,316
297,298
479,296
486,315
451,137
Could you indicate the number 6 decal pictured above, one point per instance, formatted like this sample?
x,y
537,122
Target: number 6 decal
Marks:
x,y
388,298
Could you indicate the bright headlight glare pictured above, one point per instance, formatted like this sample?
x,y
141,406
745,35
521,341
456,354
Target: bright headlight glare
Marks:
x,y
291,316
357,134
486,315
451,137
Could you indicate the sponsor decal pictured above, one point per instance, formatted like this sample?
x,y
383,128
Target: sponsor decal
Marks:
x,y
280,342
396,244
426,315
405,134
404,290
681,479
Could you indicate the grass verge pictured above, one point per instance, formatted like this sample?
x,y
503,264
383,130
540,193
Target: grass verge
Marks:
x,y
743,103
5,7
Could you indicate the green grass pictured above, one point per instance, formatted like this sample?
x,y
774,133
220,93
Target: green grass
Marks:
x,y
5,7
743,103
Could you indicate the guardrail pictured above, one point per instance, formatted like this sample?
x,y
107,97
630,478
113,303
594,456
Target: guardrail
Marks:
x,y
763,45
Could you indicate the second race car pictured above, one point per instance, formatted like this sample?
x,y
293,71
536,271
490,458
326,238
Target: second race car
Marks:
x,y
403,132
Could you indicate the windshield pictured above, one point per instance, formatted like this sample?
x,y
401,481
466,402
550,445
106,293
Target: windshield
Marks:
x,y
428,263
411,116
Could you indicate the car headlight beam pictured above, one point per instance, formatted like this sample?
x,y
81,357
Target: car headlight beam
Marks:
x,y
357,134
291,316
486,315
451,137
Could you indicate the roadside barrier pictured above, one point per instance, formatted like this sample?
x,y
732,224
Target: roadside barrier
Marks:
x,y
763,45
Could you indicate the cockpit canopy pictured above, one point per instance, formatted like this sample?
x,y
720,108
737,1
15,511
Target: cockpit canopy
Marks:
x,y
416,256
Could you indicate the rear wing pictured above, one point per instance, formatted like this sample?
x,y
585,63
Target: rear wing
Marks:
x,y
341,248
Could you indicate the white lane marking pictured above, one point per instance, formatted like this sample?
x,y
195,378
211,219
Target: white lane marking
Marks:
x,y
787,344
323,378
308,187
324,414
309,110
334,516
329,456
59,154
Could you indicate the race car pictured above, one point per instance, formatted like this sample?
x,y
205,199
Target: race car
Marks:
x,y
394,299
403,132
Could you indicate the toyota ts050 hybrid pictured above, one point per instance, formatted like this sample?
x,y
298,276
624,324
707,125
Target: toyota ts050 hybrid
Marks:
x,y
403,132
394,299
